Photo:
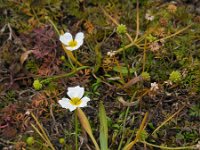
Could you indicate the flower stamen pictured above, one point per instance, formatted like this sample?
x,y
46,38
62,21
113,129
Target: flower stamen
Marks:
x,y
72,43
75,101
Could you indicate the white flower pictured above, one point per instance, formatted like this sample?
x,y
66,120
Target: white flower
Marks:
x,y
154,87
149,17
111,53
70,43
198,145
76,98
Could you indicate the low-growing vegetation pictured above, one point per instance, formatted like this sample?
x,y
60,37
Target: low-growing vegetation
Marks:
x,y
97,74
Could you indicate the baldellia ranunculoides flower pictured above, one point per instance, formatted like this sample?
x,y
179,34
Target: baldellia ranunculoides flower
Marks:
x,y
76,98
70,43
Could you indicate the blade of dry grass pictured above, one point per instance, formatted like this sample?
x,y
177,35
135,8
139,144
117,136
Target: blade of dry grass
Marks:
x,y
42,134
168,119
142,126
86,126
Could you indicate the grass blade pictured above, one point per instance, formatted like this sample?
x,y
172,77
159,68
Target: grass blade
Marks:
x,y
103,127
42,134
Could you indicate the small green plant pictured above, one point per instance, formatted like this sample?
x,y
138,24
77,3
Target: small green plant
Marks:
x,y
195,111
151,38
121,29
10,95
146,76
37,85
144,135
30,140
175,76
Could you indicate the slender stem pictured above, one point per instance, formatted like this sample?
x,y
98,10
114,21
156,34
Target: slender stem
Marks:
x,y
116,23
137,22
54,26
170,148
42,134
65,74
70,61
76,130
138,46
172,35
69,54
35,14
127,46
123,133
168,119
137,138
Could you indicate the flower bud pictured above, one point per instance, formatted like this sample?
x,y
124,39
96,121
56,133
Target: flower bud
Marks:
x,y
62,58
37,85
61,140
145,76
121,29
30,140
175,76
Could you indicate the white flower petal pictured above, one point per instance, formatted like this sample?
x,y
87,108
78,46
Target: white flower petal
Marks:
x,y
66,38
79,38
72,48
64,102
71,107
75,92
84,101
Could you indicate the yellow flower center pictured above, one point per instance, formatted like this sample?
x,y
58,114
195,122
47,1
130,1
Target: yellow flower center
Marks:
x,y
75,101
72,43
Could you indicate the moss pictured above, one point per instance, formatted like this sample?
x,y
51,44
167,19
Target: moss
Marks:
x,y
175,76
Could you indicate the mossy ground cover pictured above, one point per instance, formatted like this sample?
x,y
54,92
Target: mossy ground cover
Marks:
x,y
139,65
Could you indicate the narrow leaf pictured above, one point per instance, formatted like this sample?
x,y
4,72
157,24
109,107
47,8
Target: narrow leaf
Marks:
x,y
103,127
86,126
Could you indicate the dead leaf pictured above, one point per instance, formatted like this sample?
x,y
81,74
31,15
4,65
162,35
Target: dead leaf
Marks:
x,y
24,56
124,103
132,81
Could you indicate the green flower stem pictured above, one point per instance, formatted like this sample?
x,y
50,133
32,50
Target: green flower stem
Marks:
x,y
70,61
54,26
127,46
135,43
76,130
58,33
176,33
170,148
35,15
66,74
